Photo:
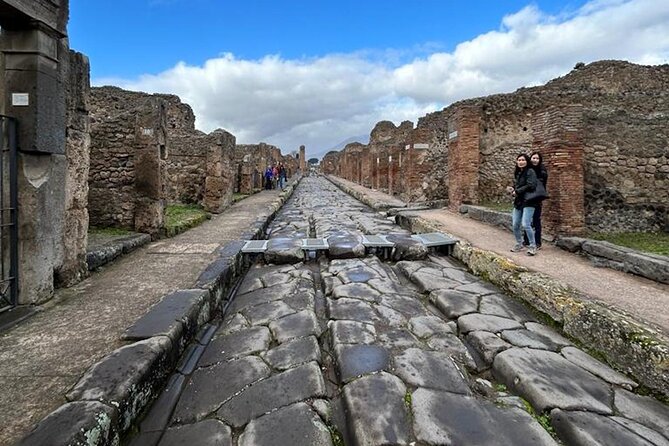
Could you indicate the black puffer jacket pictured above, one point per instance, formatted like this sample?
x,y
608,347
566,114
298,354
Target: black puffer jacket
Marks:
x,y
524,181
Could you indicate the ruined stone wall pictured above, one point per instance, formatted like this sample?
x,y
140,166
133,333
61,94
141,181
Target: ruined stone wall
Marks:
x,y
464,156
251,161
186,167
330,163
128,147
413,167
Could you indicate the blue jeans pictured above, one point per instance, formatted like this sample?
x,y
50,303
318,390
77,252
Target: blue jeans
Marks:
x,y
522,218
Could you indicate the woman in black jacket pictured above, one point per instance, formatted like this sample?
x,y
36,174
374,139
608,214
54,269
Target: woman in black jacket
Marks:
x,y
524,181
537,163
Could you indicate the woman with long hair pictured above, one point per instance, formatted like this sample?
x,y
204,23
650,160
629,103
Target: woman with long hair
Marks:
x,y
537,163
524,181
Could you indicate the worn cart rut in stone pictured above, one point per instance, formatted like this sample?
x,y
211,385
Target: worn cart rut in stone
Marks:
x,y
413,350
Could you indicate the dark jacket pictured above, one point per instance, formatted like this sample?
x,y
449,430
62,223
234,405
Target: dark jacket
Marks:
x,y
524,181
542,174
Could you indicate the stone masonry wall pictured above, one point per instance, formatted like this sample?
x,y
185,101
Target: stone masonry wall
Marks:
x,y
463,160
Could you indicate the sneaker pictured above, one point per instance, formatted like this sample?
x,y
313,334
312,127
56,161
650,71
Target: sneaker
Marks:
x,y
517,248
532,251
538,247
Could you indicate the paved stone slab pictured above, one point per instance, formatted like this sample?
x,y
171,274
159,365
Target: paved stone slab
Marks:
x,y
293,353
376,411
386,286
358,275
479,287
284,250
548,332
584,428
277,278
427,282
527,338
644,432
126,377
356,360
183,309
280,390
435,370
452,346
233,323
265,313
249,284
459,275
398,339
352,332
500,305
391,317
204,433
261,296
442,418
486,322
408,305
210,387
487,345
240,343
351,309
356,291
645,410
407,248
82,422
547,380
454,304
298,325
330,282
427,326
587,362
292,425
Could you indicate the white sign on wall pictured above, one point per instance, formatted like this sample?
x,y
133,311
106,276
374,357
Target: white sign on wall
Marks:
x,y
20,99
453,135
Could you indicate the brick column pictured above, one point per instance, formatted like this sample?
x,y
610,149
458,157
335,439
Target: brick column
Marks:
x,y
558,135
463,156
303,161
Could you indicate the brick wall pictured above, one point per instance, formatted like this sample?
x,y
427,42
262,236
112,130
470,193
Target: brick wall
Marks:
x,y
464,153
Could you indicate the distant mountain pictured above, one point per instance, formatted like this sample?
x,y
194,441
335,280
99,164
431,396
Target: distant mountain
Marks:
x,y
362,139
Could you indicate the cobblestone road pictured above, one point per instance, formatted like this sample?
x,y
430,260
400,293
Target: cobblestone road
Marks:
x,y
413,350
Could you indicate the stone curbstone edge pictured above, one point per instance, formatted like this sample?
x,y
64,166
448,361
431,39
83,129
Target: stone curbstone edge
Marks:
x,y
114,392
627,344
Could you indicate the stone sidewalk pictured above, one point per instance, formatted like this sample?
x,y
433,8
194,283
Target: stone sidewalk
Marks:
x,y
43,357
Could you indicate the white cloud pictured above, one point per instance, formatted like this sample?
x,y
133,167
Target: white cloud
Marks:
x,y
321,101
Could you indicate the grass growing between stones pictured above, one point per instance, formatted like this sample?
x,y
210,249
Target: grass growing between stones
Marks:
x,y
108,231
181,217
496,206
651,242
544,418
238,197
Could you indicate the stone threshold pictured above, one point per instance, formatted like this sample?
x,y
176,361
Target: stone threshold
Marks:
x,y
627,344
113,394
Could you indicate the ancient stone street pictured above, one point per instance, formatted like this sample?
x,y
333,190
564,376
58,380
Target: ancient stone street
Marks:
x,y
400,348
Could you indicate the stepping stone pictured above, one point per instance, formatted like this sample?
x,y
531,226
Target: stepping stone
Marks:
x,y
486,322
442,418
293,425
284,250
426,326
241,343
351,332
527,338
587,362
209,387
487,345
585,428
454,304
356,291
345,247
377,411
436,370
352,309
499,305
407,248
548,381
265,313
205,433
356,360
293,353
643,409
280,390
298,325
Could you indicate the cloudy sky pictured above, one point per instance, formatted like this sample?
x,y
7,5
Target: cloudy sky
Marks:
x,y
317,72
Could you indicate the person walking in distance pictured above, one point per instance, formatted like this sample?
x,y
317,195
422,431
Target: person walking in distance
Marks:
x,y
524,182
268,178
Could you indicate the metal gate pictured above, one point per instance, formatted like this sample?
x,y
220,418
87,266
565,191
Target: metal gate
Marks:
x,y
9,198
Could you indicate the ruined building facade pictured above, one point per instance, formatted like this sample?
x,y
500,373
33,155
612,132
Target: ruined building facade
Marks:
x,y
601,128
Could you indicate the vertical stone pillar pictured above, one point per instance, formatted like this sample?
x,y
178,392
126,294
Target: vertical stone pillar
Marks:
x,y
73,267
149,137
303,160
218,181
463,156
558,135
